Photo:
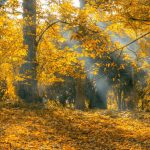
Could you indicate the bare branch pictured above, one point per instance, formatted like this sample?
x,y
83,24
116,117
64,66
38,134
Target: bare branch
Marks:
x,y
49,26
135,40
142,36
43,32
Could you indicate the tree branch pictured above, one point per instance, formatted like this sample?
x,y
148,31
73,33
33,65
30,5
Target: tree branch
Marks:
x,y
137,19
135,40
49,26
121,48
43,32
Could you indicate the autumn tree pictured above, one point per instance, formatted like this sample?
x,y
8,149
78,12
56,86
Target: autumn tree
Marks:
x,y
11,55
78,45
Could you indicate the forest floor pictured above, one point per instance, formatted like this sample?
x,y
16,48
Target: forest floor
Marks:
x,y
34,127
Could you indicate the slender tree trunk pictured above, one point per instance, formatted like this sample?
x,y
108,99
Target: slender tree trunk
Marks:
x,y
94,100
97,96
119,100
80,94
28,88
123,101
103,100
134,99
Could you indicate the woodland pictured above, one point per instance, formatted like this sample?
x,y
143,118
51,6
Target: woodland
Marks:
x,y
75,75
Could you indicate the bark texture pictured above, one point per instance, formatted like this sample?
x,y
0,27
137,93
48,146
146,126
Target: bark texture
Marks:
x,y
80,94
27,89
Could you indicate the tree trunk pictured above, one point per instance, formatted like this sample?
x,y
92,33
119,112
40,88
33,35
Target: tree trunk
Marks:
x,y
94,100
103,100
123,103
119,100
80,94
27,89
133,96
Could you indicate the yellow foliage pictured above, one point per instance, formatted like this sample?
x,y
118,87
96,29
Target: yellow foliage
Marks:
x,y
32,127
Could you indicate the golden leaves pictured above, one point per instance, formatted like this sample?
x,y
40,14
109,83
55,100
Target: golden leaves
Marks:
x,y
61,128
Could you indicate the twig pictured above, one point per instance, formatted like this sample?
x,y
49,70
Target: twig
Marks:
x,y
121,48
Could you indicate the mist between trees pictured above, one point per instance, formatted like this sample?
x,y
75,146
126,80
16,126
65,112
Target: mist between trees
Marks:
x,y
92,56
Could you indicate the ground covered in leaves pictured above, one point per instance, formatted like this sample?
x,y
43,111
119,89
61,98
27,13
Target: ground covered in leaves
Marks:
x,y
34,127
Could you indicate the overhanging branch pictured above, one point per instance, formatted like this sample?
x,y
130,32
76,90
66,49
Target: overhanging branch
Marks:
x,y
142,36
49,26
135,40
